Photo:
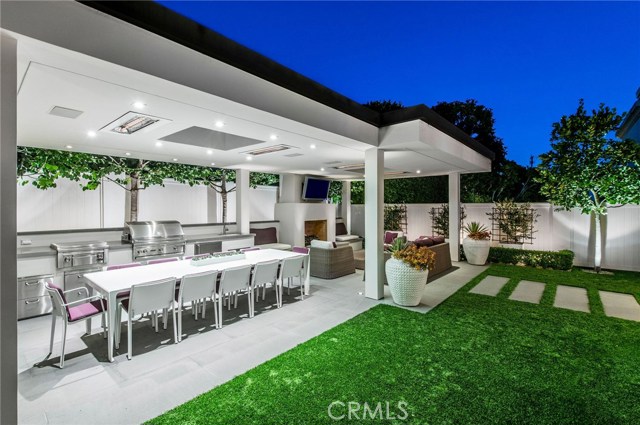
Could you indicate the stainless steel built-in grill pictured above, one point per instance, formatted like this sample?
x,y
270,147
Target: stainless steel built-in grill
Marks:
x,y
78,258
155,239
80,255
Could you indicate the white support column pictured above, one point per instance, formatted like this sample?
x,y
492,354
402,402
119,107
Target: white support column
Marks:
x,y
8,273
243,209
373,223
346,205
454,216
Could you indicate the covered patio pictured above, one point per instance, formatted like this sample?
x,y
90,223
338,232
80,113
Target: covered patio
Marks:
x,y
142,58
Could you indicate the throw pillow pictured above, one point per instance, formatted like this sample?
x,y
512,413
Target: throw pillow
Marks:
x,y
341,229
389,237
423,241
438,240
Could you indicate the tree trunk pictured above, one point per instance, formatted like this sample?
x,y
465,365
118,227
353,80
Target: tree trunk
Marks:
x,y
597,258
223,194
131,204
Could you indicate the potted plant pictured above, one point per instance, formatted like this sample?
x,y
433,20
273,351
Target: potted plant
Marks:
x,y
476,245
407,271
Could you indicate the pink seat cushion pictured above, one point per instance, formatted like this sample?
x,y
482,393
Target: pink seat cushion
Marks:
x,y
85,310
123,294
389,237
300,250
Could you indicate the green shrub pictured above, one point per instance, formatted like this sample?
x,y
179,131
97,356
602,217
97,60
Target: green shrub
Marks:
x,y
559,260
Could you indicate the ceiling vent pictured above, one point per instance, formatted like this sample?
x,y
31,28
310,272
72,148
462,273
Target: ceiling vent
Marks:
x,y
60,111
350,167
268,149
293,155
132,122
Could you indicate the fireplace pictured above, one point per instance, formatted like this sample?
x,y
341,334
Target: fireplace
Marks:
x,y
315,229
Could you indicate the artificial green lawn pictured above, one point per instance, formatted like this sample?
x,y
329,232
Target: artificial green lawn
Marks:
x,y
473,360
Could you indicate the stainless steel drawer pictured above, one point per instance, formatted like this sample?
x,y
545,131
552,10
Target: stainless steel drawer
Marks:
x,y
32,286
35,306
207,247
76,280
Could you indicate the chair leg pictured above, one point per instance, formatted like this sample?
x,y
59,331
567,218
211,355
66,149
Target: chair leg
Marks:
x,y
215,310
179,322
155,314
118,329
53,331
87,324
264,292
175,333
165,318
235,301
229,303
251,300
204,308
130,336
220,301
104,325
64,340
301,287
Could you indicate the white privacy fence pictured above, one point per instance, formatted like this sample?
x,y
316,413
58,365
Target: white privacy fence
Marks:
x,y
555,230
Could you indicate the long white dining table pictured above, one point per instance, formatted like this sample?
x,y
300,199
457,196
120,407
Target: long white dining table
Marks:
x,y
110,283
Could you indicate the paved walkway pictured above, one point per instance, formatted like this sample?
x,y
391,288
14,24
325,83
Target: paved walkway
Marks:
x,y
622,306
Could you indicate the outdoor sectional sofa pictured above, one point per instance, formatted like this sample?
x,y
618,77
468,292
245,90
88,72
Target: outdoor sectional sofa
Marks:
x,y
331,262
268,239
442,262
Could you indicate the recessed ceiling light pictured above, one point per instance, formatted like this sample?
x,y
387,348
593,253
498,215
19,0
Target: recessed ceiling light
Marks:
x,y
69,147
249,158
312,146
139,105
175,159
322,169
91,133
128,153
417,171
158,144
209,151
219,124
273,137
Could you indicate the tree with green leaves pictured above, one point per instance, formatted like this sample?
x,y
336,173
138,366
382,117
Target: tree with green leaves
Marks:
x,y
218,179
589,170
44,166
383,106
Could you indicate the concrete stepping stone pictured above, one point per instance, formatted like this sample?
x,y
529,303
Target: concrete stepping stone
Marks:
x,y
528,291
572,298
490,286
623,306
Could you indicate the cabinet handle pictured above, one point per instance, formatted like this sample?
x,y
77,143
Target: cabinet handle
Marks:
x,y
34,301
31,283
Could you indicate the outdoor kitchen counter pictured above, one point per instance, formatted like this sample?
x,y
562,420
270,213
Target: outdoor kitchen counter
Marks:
x,y
46,251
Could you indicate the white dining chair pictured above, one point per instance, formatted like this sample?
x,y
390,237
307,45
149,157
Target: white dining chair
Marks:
x,y
72,312
233,282
197,288
147,297
263,273
291,268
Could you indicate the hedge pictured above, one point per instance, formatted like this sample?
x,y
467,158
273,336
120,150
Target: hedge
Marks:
x,y
560,260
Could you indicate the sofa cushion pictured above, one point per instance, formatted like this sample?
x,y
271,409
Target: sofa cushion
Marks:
x,y
264,236
389,237
341,229
317,243
347,238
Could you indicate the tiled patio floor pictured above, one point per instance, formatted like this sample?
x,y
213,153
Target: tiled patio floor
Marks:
x,y
163,375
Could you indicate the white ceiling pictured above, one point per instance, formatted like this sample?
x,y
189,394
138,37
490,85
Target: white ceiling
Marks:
x,y
190,89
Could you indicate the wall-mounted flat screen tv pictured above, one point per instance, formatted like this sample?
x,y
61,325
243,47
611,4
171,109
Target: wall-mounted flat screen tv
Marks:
x,y
315,189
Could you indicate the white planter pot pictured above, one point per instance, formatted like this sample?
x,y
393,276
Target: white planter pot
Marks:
x,y
405,283
476,251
